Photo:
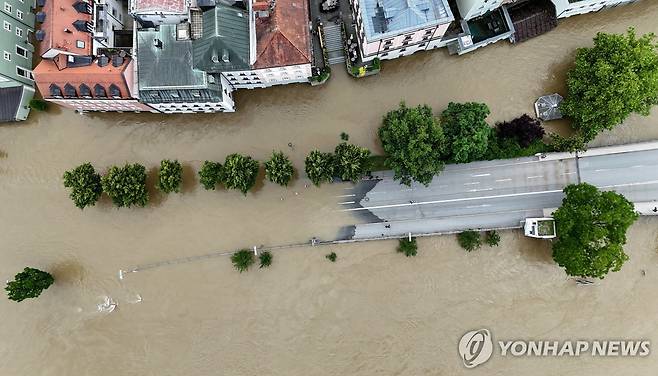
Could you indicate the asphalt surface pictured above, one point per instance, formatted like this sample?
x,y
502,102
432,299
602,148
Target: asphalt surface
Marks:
x,y
495,194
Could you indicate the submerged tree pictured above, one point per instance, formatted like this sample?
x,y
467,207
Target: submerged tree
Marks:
x,y
210,174
279,169
85,185
524,130
492,238
414,144
469,240
351,161
331,256
240,172
242,260
466,131
28,284
170,176
319,167
616,77
126,185
265,259
591,231
408,247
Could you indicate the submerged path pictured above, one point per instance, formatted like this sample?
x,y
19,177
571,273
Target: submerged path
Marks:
x,y
502,193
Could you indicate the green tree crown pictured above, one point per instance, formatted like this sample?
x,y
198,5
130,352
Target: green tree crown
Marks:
x,y
469,240
242,260
466,131
351,161
170,176
85,185
239,172
319,167
408,247
414,144
28,284
126,185
591,231
279,169
210,174
616,77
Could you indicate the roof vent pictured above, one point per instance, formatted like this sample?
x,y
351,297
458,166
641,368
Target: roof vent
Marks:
x,y
215,59
225,57
41,17
103,61
40,35
41,3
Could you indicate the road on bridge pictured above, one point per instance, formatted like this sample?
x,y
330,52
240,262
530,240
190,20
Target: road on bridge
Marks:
x,y
498,194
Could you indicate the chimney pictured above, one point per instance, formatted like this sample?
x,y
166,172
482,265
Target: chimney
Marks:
x,y
157,43
66,30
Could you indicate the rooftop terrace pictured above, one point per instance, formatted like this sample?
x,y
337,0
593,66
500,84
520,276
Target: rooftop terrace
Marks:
x,y
386,18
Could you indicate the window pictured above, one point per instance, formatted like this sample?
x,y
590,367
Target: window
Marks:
x,y
80,43
19,32
6,25
7,56
19,14
21,51
24,73
7,7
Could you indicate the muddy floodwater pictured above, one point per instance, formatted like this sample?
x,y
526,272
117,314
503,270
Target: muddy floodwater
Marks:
x,y
373,312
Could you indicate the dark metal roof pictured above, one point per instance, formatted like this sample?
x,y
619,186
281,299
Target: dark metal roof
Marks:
x,y
78,61
40,17
117,61
10,99
82,25
41,3
224,45
103,60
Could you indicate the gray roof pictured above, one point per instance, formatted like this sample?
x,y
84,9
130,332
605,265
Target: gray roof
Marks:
x,y
167,63
387,18
10,99
225,36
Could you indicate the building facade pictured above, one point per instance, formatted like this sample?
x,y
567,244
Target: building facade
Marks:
x,y
16,80
388,29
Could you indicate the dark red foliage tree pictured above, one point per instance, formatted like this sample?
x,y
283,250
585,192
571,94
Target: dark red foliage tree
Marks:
x,y
524,129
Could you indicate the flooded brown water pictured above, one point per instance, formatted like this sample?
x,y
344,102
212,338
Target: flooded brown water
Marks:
x,y
373,312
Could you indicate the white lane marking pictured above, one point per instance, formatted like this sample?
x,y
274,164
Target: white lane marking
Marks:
x,y
502,180
455,200
477,206
637,166
480,190
407,190
475,183
352,195
535,177
602,169
568,173
479,175
346,203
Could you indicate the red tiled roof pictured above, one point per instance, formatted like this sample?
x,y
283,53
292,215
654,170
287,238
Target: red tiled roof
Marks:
x,y
59,29
283,37
49,72
172,6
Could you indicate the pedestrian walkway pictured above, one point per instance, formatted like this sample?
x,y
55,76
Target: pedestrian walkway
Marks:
x,y
333,39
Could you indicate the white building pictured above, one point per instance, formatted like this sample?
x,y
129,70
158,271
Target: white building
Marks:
x,y
568,8
474,8
283,46
151,13
388,29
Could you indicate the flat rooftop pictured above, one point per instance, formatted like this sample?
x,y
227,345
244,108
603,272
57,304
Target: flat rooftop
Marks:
x,y
166,6
387,18
165,62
